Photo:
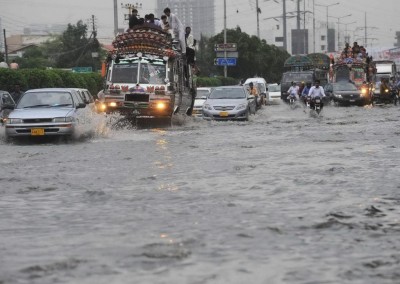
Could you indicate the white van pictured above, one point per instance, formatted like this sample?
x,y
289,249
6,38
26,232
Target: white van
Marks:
x,y
261,84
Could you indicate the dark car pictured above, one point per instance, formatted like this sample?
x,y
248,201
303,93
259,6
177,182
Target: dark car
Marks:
x,y
7,104
346,93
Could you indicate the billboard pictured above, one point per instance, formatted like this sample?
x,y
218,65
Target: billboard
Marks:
x,y
331,40
299,41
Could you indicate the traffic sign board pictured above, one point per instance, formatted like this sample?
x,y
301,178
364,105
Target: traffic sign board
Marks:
x,y
225,46
82,69
225,61
228,54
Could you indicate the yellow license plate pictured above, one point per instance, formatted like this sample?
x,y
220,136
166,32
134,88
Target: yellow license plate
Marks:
x,y
223,113
37,131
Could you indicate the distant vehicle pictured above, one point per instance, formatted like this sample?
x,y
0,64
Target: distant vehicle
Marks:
x,y
346,93
297,77
274,94
261,84
46,112
229,103
201,96
7,104
87,98
385,69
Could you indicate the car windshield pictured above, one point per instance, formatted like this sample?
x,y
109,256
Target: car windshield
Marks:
x,y
344,87
227,93
202,93
274,88
45,99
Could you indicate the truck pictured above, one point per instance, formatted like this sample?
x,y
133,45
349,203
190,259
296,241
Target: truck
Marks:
x,y
303,69
146,76
385,69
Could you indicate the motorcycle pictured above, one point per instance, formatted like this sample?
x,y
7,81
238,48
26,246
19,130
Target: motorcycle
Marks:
x,y
292,101
390,96
315,104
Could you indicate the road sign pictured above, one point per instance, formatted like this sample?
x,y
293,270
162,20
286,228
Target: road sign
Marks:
x,y
228,54
225,46
225,61
81,69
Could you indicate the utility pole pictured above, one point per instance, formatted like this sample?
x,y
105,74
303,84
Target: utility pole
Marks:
x,y
5,46
258,21
365,31
284,25
298,15
115,17
313,12
225,66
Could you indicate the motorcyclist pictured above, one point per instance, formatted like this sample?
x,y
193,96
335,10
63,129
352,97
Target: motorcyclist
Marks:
x,y
293,91
394,90
316,91
384,88
305,92
253,91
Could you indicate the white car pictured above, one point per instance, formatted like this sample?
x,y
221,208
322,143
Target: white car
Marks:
x,y
274,94
201,96
46,112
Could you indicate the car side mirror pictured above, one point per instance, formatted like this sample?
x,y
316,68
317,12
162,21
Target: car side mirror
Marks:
x,y
81,105
8,106
266,89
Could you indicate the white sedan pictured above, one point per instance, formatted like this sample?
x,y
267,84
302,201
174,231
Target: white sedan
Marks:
x,y
46,112
274,94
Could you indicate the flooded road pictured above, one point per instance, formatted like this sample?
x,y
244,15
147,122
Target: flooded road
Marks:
x,y
283,198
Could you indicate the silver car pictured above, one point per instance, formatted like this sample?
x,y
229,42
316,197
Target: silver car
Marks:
x,y
46,112
229,103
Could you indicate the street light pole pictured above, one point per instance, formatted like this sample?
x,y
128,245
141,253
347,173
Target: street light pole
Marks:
x,y
338,18
346,31
327,20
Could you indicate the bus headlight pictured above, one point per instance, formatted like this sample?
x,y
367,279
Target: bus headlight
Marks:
x,y
161,105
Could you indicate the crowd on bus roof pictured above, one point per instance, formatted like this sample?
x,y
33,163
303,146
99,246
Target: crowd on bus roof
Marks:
x,y
170,24
355,53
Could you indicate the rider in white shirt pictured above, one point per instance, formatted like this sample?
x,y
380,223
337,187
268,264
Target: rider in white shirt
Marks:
x,y
316,91
294,91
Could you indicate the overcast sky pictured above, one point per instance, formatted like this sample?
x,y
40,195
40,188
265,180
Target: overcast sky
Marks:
x,y
383,17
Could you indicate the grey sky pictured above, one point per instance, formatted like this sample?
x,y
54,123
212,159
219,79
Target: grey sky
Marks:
x,y
383,15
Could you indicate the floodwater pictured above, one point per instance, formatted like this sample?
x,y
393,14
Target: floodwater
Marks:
x,y
284,198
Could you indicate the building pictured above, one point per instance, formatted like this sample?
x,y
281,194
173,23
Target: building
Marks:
x,y
199,15
18,44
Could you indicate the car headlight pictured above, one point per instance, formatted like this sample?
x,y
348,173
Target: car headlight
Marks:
x,y
112,104
13,121
207,106
364,91
241,106
63,119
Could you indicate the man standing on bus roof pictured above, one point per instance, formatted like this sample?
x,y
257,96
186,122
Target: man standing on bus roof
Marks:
x,y
177,28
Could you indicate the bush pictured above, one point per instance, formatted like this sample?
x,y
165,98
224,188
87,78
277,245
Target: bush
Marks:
x,y
216,81
8,78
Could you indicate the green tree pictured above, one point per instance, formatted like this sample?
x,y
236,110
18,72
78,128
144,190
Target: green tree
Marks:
x,y
34,57
73,48
256,57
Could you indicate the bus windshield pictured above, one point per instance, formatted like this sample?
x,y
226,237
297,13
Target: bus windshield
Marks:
x,y
124,73
152,73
